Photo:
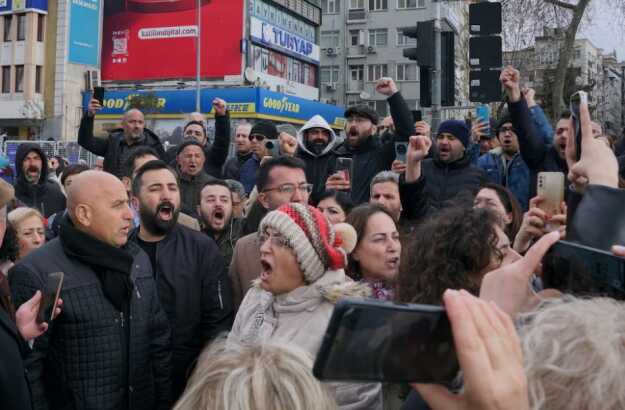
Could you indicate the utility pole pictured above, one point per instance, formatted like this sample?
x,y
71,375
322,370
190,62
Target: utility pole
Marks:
x,y
198,54
436,72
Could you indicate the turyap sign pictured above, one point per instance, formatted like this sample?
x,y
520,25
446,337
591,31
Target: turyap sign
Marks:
x,y
278,39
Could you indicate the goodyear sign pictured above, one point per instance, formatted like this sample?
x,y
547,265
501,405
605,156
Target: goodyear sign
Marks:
x,y
242,102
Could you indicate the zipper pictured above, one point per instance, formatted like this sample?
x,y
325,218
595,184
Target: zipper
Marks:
x,y
221,302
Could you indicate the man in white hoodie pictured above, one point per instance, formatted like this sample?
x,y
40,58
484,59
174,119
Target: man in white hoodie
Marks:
x,y
316,140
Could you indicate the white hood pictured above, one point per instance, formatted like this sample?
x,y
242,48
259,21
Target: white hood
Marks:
x,y
316,122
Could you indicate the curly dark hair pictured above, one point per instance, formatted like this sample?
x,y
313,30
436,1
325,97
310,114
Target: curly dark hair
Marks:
x,y
9,251
445,253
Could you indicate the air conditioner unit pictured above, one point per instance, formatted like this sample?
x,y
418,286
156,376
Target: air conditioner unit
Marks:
x,y
330,51
331,86
370,50
92,79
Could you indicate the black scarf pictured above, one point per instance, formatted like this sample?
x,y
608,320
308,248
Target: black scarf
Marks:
x,y
112,265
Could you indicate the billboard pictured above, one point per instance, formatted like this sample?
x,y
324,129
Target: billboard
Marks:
x,y
268,35
84,32
7,6
156,39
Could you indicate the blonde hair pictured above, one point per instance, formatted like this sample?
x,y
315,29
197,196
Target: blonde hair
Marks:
x,y
19,215
574,351
242,377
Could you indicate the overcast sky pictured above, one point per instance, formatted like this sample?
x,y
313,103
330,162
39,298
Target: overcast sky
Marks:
x,y
605,33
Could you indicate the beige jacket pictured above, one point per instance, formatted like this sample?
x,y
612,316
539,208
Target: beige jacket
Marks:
x,y
245,266
300,318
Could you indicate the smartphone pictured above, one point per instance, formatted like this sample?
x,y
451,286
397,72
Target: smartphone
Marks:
x,y
344,166
583,271
98,94
576,100
273,147
401,150
383,341
50,296
417,115
482,114
550,186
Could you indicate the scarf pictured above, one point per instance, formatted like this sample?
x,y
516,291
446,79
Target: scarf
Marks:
x,y
380,291
112,265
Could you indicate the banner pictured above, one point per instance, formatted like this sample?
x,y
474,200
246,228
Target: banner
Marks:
x,y
8,6
157,40
84,32
264,33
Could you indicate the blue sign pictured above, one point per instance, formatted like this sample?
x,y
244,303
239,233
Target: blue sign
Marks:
x,y
8,6
242,102
274,37
84,32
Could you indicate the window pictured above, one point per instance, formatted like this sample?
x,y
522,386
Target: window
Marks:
x,y
406,72
7,27
356,72
330,39
410,4
378,37
19,78
38,72
40,27
332,6
403,40
6,79
330,74
378,4
376,71
354,37
21,27
379,106
356,4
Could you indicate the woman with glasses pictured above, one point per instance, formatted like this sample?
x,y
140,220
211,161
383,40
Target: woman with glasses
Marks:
x,y
302,257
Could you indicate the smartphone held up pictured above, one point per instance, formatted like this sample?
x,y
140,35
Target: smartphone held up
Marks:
x,y
50,296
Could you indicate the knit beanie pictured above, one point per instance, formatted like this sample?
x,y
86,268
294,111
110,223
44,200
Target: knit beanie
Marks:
x,y
456,128
317,244
265,128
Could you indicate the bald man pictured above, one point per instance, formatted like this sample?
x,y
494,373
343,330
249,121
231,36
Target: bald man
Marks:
x,y
121,140
110,347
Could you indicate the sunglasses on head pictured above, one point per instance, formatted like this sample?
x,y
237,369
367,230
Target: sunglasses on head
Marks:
x,y
258,137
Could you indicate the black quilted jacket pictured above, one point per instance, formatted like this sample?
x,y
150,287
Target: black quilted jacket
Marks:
x,y
94,357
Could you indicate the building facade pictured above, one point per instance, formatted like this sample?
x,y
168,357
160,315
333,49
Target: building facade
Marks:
x,y
362,40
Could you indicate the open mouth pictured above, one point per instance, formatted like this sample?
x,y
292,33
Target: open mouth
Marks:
x,y
219,216
392,263
267,269
165,212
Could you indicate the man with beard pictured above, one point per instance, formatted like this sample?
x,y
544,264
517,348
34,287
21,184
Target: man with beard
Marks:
x,y
537,154
33,188
243,152
190,165
316,140
110,347
216,214
192,281
114,148
368,153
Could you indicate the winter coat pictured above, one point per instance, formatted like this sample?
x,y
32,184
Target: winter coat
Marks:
x,y
245,266
215,154
538,155
247,173
46,195
318,166
14,388
372,156
190,188
195,292
300,318
232,167
513,174
444,180
227,241
93,356
114,149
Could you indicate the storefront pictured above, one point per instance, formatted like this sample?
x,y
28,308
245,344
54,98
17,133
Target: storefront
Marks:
x,y
166,109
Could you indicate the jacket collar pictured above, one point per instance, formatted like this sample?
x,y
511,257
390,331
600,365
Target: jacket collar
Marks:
x,y
462,162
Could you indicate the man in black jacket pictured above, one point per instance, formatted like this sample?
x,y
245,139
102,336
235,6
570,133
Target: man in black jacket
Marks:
x,y
215,154
33,188
243,152
110,348
192,281
368,153
114,149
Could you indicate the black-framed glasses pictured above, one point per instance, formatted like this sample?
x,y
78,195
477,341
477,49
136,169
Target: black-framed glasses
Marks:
x,y
257,137
290,188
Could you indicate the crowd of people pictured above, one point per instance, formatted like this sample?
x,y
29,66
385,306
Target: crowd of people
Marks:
x,y
197,281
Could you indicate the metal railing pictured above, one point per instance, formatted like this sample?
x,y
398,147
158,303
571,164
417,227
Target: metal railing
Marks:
x,y
69,150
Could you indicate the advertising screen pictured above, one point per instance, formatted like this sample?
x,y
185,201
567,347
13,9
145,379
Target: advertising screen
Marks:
x,y
84,32
156,39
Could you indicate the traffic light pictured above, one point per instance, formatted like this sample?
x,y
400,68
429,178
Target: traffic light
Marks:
x,y
423,53
485,51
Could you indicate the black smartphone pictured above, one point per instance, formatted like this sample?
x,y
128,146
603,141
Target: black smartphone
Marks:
x,y
50,296
583,271
273,148
575,101
98,94
389,342
344,166
417,115
401,150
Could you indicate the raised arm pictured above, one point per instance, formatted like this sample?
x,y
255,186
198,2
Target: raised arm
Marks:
x,y
219,152
86,139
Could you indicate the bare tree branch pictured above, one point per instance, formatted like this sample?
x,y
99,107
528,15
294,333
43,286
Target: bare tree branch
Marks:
x,y
562,4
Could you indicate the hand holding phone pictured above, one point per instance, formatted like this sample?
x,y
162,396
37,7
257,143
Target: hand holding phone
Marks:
x,y
50,296
341,180
401,150
550,187
482,112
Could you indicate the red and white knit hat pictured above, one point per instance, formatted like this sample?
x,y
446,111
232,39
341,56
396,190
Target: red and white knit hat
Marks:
x,y
317,244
